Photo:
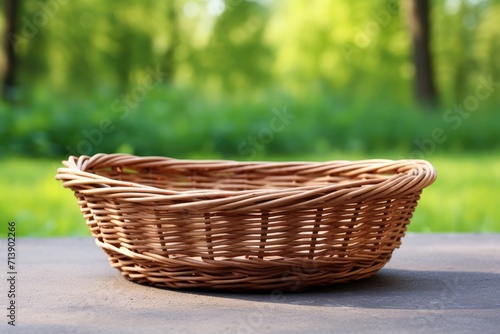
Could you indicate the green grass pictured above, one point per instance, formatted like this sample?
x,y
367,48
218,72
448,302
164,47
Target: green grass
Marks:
x,y
463,199
40,206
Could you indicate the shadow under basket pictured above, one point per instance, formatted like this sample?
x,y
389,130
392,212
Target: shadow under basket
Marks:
x,y
215,224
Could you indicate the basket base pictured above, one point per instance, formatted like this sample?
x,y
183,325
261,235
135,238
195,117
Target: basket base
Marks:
x,y
245,274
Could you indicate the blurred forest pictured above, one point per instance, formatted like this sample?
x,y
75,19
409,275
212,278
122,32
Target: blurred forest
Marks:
x,y
245,79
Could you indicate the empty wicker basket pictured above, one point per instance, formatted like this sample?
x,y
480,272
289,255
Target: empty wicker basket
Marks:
x,y
245,225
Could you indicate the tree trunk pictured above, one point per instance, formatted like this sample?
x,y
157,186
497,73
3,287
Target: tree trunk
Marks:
x,y
9,75
425,90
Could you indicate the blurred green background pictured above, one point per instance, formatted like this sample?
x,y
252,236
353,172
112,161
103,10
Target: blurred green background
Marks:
x,y
251,80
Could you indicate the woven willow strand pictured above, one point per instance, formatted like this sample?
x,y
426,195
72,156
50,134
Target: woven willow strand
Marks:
x,y
245,225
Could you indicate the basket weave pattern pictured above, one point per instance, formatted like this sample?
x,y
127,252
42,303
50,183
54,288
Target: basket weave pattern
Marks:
x,y
245,225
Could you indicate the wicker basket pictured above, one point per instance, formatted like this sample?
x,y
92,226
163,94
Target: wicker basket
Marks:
x,y
245,225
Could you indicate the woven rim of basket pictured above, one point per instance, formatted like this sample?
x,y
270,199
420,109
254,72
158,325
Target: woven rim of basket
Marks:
x,y
371,179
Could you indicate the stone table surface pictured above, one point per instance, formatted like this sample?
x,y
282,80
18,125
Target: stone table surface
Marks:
x,y
435,283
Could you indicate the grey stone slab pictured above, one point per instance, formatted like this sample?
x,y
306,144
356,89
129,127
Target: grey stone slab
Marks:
x,y
435,283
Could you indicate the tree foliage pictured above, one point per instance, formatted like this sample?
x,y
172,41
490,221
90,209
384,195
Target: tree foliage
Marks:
x,y
224,63
248,45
